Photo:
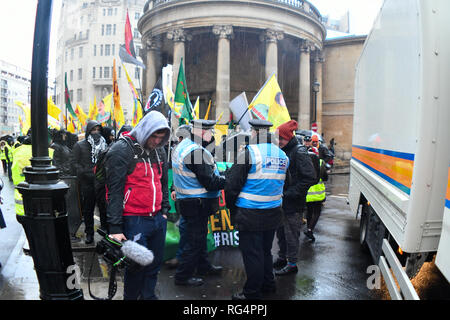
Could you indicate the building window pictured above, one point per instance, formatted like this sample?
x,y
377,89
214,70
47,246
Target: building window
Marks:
x,y
95,50
71,53
136,15
80,52
110,11
71,75
108,29
103,29
101,49
136,33
80,74
104,12
93,72
100,73
71,95
114,29
120,72
79,95
113,49
65,56
106,72
107,49
115,11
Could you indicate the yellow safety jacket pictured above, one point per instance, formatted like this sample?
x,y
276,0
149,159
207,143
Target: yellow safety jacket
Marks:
x,y
22,156
316,192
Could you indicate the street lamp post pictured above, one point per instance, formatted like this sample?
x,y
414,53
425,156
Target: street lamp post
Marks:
x,y
315,89
45,218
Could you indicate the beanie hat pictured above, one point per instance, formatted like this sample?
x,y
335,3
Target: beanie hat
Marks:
x,y
315,138
286,130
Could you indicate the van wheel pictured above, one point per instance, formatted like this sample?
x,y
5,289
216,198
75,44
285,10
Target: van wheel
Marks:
x,y
364,225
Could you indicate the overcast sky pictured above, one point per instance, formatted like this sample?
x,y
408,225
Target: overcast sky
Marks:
x,y
17,18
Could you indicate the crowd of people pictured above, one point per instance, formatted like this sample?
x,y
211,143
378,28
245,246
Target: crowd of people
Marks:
x,y
274,177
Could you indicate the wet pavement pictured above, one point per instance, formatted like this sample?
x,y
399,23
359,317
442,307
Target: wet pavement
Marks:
x,y
331,268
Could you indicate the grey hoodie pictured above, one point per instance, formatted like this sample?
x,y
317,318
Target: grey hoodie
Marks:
x,y
152,122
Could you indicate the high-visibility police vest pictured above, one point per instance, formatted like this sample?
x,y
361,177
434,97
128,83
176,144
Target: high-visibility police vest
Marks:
x,y
22,156
184,180
316,192
264,186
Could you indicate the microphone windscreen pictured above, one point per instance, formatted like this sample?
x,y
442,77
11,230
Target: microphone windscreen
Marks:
x,y
136,252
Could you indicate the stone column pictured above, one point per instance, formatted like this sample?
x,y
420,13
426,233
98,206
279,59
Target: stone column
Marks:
x,y
304,97
271,37
178,36
153,64
318,72
224,33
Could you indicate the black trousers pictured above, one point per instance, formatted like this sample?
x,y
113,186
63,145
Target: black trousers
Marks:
x,y
194,255
313,213
256,252
89,198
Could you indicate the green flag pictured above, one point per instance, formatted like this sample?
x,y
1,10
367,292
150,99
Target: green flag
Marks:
x,y
68,105
182,97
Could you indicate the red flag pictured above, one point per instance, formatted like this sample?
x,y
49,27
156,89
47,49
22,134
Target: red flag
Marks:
x,y
129,44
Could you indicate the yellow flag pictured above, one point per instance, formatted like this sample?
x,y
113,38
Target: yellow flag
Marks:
x,y
207,111
197,109
118,112
81,115
27,111
220,117
70,126
169,97
52,109
268,104
92,110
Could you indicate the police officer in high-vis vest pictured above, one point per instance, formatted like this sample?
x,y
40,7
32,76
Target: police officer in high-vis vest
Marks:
x,y
314,200
253,194
197,183
22,156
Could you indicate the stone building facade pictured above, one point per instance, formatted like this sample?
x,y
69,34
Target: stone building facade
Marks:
x,y
231,46
89,38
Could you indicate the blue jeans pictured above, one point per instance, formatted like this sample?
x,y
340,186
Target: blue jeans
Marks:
x,y
151,233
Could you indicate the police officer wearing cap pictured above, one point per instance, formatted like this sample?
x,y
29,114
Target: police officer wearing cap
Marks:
x,y
253,194
197,182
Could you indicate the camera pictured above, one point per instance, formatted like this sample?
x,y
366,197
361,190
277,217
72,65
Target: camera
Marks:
x,y
111,252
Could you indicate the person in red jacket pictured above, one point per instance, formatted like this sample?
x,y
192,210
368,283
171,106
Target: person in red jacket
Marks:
x,y
138,198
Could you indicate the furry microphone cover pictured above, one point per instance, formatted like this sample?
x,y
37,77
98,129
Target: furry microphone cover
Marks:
x,y
137,253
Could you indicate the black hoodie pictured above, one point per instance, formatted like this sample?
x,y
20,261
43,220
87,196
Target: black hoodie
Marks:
x,y
82,158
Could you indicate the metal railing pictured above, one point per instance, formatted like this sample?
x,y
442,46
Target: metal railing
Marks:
x,y
298,4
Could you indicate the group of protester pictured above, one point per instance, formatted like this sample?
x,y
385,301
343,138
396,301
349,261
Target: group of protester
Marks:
x,y
274,177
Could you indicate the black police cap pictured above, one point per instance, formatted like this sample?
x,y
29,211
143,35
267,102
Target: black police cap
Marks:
x,y
204,124
260,124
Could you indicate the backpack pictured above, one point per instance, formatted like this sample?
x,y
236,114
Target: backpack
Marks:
x,y
99,168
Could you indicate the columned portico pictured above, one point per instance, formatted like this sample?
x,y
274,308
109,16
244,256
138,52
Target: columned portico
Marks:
x,y
153,63
178,36
271,37
224,33
304,96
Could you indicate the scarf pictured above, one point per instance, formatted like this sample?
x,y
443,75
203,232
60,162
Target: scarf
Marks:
x,y
96,147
